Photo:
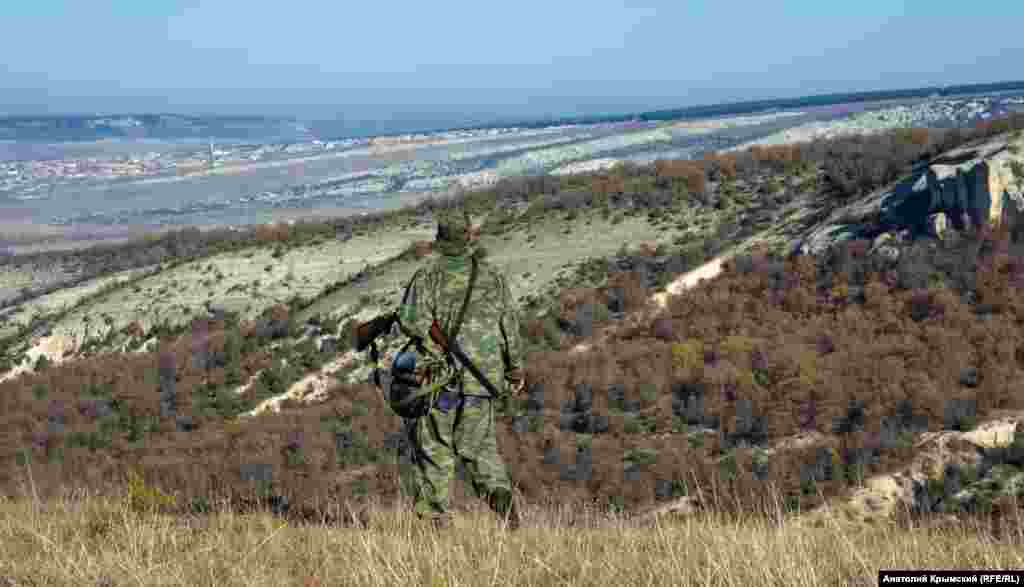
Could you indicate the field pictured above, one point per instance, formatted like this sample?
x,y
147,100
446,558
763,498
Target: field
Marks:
x,y
88,541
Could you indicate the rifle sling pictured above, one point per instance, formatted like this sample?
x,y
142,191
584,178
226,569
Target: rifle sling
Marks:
x,y
453,340
465,302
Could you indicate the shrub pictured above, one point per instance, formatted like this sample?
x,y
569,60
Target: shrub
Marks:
x,y
1017,168
720,167
960,415
648,392
146,498
42,363
640,456
688,357
772,186
576,199
735,346
662,329
653,199
634,423
690,173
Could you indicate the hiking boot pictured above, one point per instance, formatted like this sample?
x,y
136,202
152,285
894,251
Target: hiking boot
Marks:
x,y
502,504
513,518
438,523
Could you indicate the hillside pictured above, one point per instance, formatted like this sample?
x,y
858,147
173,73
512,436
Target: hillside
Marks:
x,y
216,365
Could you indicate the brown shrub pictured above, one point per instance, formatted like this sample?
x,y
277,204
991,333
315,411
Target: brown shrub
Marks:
x,y
606,185
720,166
270,233
134,329
648,249
776,158
422,248
919,136
691,173
569,299
635,296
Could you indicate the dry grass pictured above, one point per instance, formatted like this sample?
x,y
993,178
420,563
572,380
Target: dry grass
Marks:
x,y
89,540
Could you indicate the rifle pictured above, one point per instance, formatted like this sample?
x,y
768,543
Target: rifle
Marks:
x,y
366,333
452,347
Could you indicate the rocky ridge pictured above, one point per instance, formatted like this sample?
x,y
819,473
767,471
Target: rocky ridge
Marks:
x,y
968,189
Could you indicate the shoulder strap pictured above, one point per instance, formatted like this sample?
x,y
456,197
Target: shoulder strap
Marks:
x,y
465,302
462,358
413,340
408,286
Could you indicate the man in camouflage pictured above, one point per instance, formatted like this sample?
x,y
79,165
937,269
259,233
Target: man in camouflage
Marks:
x,y
460,427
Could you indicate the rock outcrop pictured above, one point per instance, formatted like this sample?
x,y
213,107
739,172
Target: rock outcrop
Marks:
x,y
975,186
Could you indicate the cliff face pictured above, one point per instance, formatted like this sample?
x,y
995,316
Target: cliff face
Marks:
x,y
975,185
964,190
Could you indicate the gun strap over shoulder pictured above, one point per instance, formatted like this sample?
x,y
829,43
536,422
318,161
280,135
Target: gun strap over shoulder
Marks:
x,y
408,286
454,343
465,302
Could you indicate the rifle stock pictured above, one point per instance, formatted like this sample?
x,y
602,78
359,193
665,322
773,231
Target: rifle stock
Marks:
x,y
437,335
367,332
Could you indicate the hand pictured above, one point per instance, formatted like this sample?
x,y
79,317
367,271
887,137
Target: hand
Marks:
x,y
516,381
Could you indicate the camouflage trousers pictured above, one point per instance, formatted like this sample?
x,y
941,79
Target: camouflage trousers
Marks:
x,y
462,435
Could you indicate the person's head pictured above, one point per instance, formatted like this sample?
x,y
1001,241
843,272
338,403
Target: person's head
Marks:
x,y
456,233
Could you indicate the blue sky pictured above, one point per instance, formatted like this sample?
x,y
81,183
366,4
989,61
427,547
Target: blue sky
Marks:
x,y
421,60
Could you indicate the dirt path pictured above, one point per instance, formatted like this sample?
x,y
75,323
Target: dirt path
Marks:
x,y
52,347
691,278
708,270
311,388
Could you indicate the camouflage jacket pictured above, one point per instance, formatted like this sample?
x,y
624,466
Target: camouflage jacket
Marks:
x,y
490,326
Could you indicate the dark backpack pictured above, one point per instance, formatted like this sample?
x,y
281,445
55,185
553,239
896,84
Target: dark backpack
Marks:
x,y
404,392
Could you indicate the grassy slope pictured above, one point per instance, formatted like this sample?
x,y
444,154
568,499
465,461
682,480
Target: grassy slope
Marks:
x,y
552,251
542,248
